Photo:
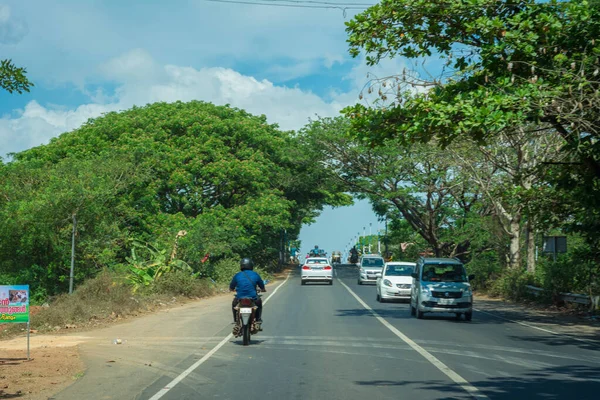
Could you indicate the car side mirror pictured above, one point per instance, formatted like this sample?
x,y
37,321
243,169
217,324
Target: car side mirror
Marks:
x,y
414,275
471,277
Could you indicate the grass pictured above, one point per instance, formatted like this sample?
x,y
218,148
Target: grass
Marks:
x,y
109,297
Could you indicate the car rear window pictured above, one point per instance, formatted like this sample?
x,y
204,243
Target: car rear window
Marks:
x,y
372,262
316,261
444,273
399,270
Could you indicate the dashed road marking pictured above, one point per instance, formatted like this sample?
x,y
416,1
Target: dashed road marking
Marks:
x,y
208,355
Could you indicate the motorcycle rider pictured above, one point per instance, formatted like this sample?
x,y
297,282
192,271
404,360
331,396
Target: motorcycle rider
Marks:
x,y
245,282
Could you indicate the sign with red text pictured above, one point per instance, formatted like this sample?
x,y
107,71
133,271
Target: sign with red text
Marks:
x,y
14,304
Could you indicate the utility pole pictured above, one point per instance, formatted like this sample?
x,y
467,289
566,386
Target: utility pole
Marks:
x,y
385,238
370,235
72,273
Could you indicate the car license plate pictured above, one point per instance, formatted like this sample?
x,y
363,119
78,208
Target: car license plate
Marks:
x,y
246,310
446,301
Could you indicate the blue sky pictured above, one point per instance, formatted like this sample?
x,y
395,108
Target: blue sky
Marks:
x,y
93,56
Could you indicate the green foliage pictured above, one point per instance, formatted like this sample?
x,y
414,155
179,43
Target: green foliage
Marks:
x,y
181,283
573,272
228,178
13,78
512,285
421,183
145,271
512,69
95,299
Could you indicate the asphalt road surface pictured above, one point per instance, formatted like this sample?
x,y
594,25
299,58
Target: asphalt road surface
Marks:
x,y
338,342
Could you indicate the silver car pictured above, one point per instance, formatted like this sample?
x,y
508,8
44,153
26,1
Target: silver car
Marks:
x,y
317,269
441,285
370,268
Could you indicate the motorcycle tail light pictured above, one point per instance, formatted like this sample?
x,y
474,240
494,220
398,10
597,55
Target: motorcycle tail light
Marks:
x,y
246,302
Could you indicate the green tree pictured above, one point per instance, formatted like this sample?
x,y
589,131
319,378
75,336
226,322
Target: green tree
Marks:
x,y
421,182
13,78
508,66
232,181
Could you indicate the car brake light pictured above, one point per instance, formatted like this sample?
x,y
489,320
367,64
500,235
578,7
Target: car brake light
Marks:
x,y
305,267
327,268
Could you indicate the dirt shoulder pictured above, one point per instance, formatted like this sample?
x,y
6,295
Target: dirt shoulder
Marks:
x,y
50,370
574,322
57,360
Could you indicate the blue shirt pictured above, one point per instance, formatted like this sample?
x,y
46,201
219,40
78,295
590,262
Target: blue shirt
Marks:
x,y
245,288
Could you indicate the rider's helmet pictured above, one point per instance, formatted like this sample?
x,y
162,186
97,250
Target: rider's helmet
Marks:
x,y
246,263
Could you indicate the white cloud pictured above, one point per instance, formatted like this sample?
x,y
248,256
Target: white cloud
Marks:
x,y
290,107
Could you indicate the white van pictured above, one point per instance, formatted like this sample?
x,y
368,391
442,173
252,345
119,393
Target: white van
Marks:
x,y
441,285
370,268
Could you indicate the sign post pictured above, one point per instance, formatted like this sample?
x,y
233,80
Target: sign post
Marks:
x,y
554,245
14,307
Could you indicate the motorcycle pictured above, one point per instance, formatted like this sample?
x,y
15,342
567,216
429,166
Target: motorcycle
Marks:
x,y
246,324
245,321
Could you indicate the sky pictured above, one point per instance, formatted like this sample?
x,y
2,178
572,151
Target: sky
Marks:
x,y
91,57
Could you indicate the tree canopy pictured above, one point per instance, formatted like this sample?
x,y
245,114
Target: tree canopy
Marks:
x,y
232,181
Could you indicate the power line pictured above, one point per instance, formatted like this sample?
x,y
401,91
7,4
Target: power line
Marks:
x,y
363,6
341,4
338,6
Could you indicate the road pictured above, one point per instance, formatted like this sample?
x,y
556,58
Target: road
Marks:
x,y
338,342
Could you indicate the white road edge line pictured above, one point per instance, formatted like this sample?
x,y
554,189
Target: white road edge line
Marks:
x,y
537,327
462,382
201,361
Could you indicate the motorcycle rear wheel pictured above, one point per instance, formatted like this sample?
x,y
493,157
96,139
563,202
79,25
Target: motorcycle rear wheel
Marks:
x,y
246,329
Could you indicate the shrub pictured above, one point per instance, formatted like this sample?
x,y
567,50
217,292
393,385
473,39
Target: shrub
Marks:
x,y
486,268
96,298
511,285
181,283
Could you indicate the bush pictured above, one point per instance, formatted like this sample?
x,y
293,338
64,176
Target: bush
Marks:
x,y
97,298
568,274
180,283
512,285
486,269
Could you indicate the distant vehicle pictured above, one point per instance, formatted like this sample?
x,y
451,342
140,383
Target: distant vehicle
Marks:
x,y
353,259
441,285
316,269
336,257
370,268
395,281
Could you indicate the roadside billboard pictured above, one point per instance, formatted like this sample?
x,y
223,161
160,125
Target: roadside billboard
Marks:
x,y
14,304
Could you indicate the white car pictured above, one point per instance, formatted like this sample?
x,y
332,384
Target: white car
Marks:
x,y
395,281
317,269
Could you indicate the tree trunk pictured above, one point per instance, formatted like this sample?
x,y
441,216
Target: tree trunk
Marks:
x,y
530,237
515,243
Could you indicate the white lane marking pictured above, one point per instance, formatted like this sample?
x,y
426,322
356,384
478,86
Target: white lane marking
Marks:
x,y
538,328
201,361
462,382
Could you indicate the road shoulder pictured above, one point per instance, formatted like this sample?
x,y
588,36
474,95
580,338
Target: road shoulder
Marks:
x,y
554,320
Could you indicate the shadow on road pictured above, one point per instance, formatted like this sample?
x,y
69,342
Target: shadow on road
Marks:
x,y
571,382
563,340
